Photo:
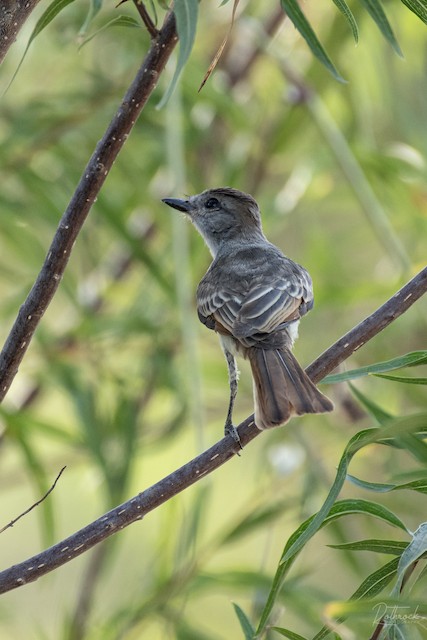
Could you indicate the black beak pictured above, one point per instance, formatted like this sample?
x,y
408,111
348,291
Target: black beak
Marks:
x,y
175,203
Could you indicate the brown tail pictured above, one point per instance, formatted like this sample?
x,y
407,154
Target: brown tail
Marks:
x,y
281,388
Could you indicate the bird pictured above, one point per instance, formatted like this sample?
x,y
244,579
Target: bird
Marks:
x,y
253,297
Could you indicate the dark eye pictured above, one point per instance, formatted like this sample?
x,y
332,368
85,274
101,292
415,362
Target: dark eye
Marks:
x,y
212,203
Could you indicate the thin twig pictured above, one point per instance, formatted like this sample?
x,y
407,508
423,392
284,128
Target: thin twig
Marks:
x,y
81,203
137,507
146,18
33,506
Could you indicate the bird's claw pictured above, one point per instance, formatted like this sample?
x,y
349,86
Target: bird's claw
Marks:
x,y
230,430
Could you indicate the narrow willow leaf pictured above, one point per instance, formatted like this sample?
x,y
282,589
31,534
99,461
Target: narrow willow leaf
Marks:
x,y
411,359
404,379
416,485
416,548
331,509
186,13
246,625
377,609
339,509
391,547
372,407
46,18
94,8
119,21
345,10
419,7
419,485
415,445
375,10
294,13
287,633
370,587
259,517
51,12
378,487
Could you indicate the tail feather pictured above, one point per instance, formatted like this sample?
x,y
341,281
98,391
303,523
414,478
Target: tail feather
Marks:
x,y
282,389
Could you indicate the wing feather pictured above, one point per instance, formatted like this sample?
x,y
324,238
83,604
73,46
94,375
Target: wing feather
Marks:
x,y
261,304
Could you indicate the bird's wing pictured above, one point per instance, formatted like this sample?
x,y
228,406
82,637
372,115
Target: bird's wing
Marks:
x,y
268,306
262,308
218,304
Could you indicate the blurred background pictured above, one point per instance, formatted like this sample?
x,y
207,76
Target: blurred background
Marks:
x,y
122,384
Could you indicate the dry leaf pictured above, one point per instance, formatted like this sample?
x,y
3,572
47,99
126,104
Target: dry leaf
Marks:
x,y
221,47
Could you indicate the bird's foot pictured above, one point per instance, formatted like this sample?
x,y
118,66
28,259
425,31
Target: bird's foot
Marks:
x,y
230,430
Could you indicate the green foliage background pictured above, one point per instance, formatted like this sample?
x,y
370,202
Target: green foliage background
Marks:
x,y
121,383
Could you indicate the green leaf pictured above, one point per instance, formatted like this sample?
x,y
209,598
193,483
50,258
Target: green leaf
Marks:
x,y
345,10
416,548
376,609
46,18
414,445
411,359
51,12
375,10
186,13
259,517
405,379
370,587
119,21
377,412
378,487
416,485
339,509
94,8
419,7
288,634
330,511
294,13
393,547
419,485
247,627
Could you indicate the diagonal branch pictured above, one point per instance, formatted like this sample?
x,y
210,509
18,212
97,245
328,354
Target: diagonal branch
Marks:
x,y
12,17
369,328
85,195
136,508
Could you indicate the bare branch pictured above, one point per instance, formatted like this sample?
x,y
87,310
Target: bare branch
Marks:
x,y
136,508
13,14
36,504
146,19
85,195
369,328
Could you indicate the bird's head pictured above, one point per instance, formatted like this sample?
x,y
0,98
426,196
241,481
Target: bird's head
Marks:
x,y
221,216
